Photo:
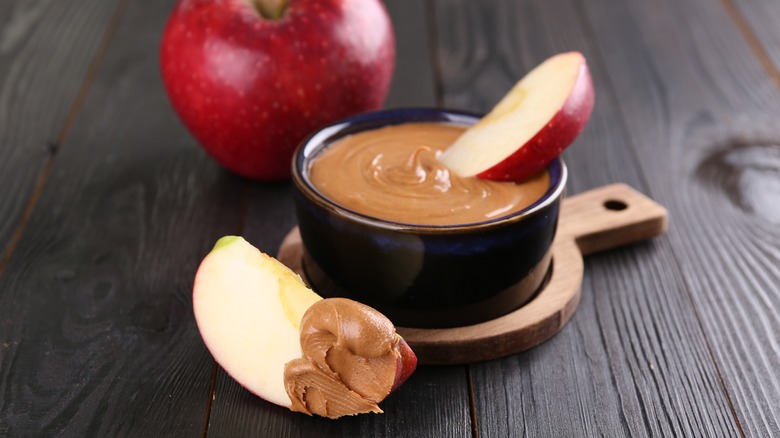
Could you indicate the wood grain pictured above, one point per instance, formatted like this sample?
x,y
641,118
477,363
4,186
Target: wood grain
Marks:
x,y
648,368
46,49
713,109
756,20
98,337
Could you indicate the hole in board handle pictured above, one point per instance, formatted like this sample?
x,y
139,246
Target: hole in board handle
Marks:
x,y
615,205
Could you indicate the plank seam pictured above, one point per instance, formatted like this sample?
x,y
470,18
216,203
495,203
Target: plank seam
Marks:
x,y
703,330
752,40
56,146
720,378
210,402
472,404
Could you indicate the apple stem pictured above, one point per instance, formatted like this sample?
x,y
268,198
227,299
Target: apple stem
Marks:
x,y
271,9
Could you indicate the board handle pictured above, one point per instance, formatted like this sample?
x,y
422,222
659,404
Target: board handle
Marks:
x,y
610,216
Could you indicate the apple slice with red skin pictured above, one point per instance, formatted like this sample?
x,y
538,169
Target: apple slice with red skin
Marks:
x,y
407,364
248,307
531,126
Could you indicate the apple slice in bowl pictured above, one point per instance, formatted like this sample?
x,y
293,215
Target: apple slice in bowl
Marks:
x,y
532,125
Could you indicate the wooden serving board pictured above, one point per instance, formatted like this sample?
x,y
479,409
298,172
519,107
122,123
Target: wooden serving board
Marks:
x,y
593,221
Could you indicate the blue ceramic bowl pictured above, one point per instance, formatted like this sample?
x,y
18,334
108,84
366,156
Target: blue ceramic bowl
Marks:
x,y
422,275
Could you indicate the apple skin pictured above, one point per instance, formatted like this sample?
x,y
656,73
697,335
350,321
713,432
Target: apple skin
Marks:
x,y
536,154
249,89
407,364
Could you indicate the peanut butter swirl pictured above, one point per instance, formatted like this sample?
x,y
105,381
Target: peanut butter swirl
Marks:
x,y
350,359
393,173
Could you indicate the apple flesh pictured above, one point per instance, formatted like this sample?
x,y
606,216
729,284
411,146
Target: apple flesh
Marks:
x,y
248,307
249,87
531,126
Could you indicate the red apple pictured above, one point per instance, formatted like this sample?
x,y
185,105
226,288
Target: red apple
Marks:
x,y
251,86
532,125
250,311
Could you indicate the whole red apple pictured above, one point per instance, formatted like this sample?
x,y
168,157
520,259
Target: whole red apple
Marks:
x,y
250,85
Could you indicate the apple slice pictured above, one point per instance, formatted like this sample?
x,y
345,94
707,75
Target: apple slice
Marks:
x,y
249,309
532,125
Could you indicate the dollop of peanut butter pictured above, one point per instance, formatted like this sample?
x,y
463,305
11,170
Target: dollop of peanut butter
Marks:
x,y
393,173
350,360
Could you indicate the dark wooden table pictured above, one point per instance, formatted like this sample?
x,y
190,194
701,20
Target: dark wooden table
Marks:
x,y
107,206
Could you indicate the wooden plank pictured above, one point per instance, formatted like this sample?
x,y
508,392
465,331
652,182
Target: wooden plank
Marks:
x,y
46,49
98,336
702,112
633,360
435,401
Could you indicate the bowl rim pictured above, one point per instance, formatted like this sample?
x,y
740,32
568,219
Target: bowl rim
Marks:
x,y
308,149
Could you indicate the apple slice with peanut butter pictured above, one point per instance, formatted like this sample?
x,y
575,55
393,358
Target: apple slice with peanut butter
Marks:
x,y
283,342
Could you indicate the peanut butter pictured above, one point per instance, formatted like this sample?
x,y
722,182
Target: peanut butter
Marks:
x,y
350,359
393,173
